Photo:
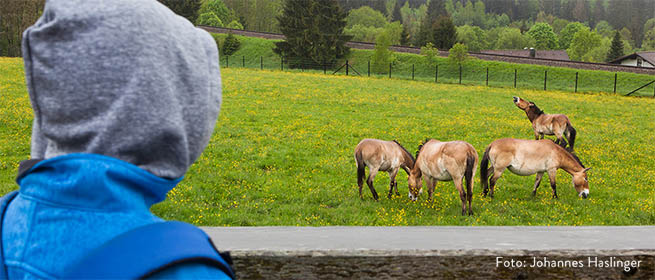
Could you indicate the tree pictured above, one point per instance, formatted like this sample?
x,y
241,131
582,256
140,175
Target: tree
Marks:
x,y
444,33
382,56
209,19
473,37
616,49
543,35
603,28
257,15
458,53
365,16
435,9
15,17
186,8
512,39
313,30
430,53
231,44
583,42
396,15
219,9
566,35
405,37
235,25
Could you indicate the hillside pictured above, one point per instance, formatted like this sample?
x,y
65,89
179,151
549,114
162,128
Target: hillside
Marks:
x,y
254,51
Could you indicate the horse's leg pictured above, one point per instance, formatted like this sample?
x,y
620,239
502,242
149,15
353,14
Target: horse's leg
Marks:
x,y
537,181
536,135
560,139
462,194
369,182
494,178
486,180
431,184
551,176
469,194
392,181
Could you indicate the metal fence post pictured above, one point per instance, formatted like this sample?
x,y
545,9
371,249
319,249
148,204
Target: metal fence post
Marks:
x,y
244,61
487,81
227,61
576,82
324,67
515,78
412,71
281,63
615,76
436,73
389,70
545,78
460,74
369,68
347,67
261,62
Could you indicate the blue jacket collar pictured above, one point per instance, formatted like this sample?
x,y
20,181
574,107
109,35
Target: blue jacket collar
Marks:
x,y
93,182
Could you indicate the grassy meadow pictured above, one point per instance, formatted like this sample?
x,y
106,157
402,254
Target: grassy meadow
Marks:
x,y
282,152
258,53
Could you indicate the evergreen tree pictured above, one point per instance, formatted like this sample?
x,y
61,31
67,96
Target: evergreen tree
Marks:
x,y
404,37
444,34
231,44
436,9
313,31
396,15
616,49
186,8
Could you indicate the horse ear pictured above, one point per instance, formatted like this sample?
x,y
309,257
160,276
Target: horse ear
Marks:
x,y
531,103
586,169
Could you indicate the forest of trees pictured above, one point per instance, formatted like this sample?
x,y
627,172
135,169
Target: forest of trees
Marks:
x,y
586,29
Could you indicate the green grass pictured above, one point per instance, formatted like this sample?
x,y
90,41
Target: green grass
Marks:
x,y
501,74
282,152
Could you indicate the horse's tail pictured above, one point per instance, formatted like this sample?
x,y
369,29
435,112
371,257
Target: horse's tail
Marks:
x,y
360,167
468,173
570,131
484,172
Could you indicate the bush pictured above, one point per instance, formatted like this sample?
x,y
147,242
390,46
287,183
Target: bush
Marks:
x,y
235,25
382,56
209,19
231,44
458,53
430,52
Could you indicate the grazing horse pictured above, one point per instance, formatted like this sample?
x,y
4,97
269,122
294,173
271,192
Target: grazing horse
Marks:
x,y
444,161
527,157
381,155
548,124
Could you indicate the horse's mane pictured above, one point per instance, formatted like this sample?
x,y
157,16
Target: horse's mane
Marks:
x,y
536,109
570,152
406,151
421,146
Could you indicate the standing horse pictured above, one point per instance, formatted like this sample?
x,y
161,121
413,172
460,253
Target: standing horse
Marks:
x,y
381,155
548,124
527,157
444,161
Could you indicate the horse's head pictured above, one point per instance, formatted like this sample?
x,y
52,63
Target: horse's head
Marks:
x,y
580,183
415,184
522,103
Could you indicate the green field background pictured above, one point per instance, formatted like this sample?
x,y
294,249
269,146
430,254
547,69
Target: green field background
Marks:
x,y
282,152
258,53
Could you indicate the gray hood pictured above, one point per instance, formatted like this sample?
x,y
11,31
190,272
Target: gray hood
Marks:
x,y
127,79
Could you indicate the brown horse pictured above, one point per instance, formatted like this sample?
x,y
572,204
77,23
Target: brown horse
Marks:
x,y
444,161
527,157
381,155
547,124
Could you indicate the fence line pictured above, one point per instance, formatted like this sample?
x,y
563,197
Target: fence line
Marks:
x,y
463,74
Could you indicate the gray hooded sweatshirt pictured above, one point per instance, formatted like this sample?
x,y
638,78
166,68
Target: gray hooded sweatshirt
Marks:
x,y
127,79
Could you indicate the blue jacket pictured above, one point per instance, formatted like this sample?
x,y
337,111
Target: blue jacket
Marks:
x,y
70,204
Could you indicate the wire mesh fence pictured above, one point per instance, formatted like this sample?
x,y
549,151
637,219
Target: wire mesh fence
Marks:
x,y
467,73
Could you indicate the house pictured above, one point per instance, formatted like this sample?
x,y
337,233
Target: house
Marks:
x,y
638,59
545,54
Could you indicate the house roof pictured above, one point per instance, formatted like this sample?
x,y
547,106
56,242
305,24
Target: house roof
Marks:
x,y
547,54
647,56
